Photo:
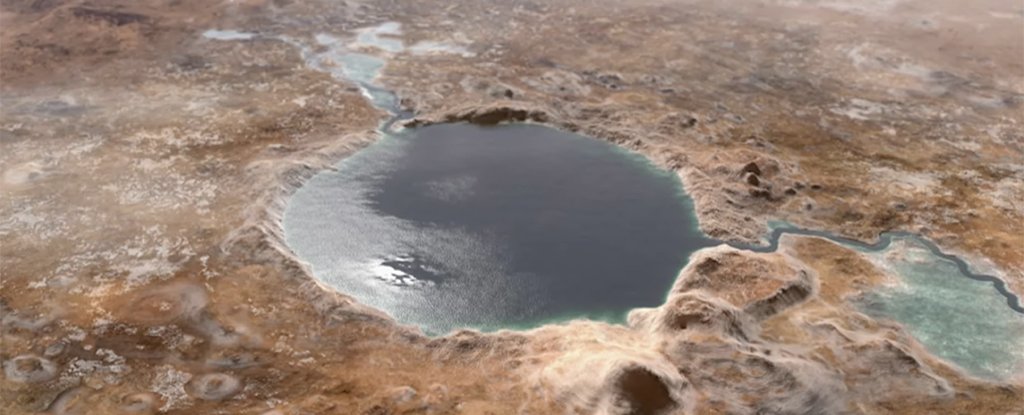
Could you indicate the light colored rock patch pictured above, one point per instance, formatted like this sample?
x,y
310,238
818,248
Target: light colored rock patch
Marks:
x,y
217,34
861,109
170,383
897,182
427,47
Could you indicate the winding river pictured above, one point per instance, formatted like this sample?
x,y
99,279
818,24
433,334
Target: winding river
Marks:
x,y
883,243
953,310
777,231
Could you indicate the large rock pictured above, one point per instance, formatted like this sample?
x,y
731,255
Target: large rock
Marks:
x,y
485,115
760,284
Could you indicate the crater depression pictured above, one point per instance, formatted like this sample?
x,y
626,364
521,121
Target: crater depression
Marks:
x,y
511,226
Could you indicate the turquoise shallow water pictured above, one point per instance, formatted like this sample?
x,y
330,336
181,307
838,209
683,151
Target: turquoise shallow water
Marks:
x,y
970,319
966,318
959,319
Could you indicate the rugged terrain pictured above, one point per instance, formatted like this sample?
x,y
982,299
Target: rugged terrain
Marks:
x,y
144,169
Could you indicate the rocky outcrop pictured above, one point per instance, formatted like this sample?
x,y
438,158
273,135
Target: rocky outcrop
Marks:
x,y
751,168
485,115
693,311
751,282
709,327
788,295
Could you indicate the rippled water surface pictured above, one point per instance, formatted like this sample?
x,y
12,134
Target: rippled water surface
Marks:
x,y
457,225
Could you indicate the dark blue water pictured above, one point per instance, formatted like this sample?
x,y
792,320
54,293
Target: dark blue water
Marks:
x,y
456,225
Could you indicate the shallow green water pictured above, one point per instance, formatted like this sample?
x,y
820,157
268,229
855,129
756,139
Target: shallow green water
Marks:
x,y
962,320
960,316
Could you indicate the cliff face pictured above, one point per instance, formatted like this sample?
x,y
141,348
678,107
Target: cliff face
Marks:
x,y
144,169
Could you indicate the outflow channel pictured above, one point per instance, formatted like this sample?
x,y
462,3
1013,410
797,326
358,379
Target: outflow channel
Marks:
x,y
927,304
362,69
884,241
353,70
